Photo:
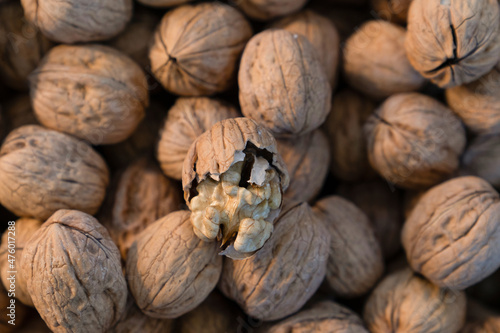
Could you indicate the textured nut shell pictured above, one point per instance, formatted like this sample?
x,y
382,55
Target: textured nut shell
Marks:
x,y
18,112
187,120
285,272
283,85
72,21
306,159
375,61
20,313
453,42
162,3
414,141
90,91
170,271
74,274
42,171
355,261
404,302
190,65
266,10
394,11
482,159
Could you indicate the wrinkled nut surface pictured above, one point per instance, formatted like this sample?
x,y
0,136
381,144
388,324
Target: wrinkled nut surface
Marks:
x,y
355,260
283,85
266,10
286,272
169,270
405,302
74,274
187,120
392,10
42,171
452,234
72,21
414,141
482,159
188,65
455,41
233,180
90,91
162,3
375,61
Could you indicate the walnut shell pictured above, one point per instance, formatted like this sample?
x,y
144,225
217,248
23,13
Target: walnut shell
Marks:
x,y
19,312
451,235
186,120
168,286
375,61
482,159
74,274
266,10
286,272
405,302
18,112
162,3
392,10
453,42
414,141
42,171
90,91
188,65
72,21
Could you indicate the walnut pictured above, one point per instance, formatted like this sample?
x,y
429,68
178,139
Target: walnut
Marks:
x,y
19,313
322,35
355,261
22,46
286,272
306,159
74,274
455,41
90,91
480,319
233,179
405,302
375,62
283,85
42,171
72,21
392,10
451,235
186,120
188,65
162,3
168,286
482,159
414,141
18,112
266,10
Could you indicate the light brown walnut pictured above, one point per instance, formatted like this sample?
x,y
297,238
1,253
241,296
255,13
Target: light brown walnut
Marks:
x,y
264,10
482,159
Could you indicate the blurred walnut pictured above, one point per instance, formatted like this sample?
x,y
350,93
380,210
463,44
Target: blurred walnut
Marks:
x,y
162,3
264,10
480,319
286,272
168,286
392,10
90,91
283,85
375,62
405,302
482,159
42,171
187,120
414,141
196,48
452,234
6,314
72,21
455,41
21,46
18,112
74,274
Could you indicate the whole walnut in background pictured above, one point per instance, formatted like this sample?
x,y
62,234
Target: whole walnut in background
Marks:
x,y
482,158
266,10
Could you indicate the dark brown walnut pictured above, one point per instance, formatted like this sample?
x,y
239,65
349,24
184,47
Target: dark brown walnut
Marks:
x,y
74,274
283,85
170,271
452,233
263,10
72,21
90,91
480,319
233,180
344,128
406,302
414,141
162,3
42,171
21,46
18,314
188,65
306,158
482,159
478,103
375,61
355,260
286,272
392,10
186,120
322,35
455,41
141,195
18,112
